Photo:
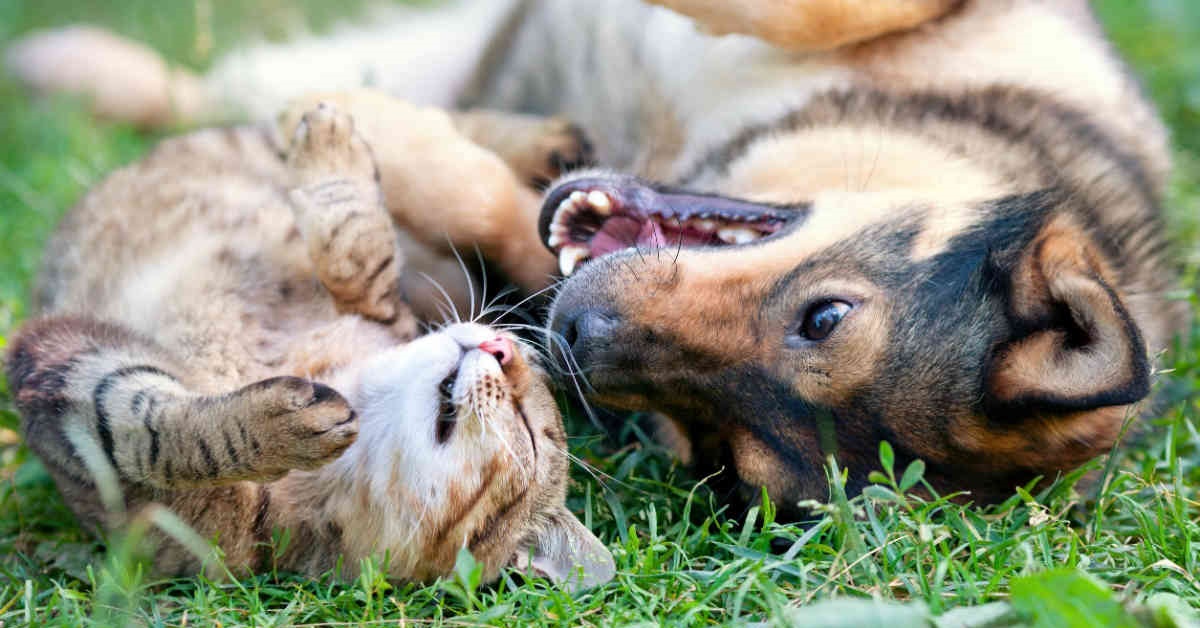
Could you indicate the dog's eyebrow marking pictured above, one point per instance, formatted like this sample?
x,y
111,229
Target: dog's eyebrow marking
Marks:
x,y
890,243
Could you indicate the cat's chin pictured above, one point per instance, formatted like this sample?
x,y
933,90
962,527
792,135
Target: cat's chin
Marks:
x,y
448,436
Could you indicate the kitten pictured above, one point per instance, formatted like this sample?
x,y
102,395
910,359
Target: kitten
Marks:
x,y
221,332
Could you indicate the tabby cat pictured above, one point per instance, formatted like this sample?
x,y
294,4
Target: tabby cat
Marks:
x,y
221,333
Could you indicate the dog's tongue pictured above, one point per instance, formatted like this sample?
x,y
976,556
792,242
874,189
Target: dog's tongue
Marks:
x,y
622,232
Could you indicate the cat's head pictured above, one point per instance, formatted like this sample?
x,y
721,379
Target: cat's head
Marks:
x,y
461,444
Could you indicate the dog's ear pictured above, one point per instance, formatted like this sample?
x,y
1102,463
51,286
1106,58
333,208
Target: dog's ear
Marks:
x,y
1076,349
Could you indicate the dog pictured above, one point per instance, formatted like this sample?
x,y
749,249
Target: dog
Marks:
x,y
812,226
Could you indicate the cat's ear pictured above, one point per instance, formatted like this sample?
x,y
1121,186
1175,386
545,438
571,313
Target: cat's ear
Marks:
x,y
566,552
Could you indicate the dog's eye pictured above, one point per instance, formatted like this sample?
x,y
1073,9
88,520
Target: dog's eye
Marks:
x,y
820,319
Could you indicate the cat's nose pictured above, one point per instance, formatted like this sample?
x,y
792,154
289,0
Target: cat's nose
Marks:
x,y
501,348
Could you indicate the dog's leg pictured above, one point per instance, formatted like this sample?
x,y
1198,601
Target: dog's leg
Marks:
x,y
122,79
810,24
425,54
442,188
537,148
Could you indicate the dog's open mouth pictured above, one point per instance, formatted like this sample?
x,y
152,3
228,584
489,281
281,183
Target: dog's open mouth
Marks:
x,y
587,218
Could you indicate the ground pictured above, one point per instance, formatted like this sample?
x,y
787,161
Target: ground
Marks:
x,y
1069,554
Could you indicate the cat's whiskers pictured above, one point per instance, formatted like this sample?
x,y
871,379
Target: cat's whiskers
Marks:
x,y
516,306
446,297
470,282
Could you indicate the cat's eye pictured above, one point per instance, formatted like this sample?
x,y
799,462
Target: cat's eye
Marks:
x,y
447,412
822,318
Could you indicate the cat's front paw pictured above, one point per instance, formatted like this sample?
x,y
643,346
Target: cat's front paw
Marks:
x,y
299,424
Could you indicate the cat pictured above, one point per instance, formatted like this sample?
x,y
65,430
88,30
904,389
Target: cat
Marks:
x,y
220,331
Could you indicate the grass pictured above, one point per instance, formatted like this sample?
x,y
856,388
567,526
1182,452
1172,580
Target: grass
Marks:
x,y
1067,554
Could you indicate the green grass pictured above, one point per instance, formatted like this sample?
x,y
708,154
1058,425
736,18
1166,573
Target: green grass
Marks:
x,y
1067,552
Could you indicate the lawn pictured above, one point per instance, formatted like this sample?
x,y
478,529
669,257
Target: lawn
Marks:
x,y
1125,551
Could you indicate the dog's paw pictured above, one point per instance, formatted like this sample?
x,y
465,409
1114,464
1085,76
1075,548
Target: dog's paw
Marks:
x,y
298,424
557,146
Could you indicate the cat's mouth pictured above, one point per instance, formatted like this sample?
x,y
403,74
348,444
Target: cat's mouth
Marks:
x,y
479,387
583,219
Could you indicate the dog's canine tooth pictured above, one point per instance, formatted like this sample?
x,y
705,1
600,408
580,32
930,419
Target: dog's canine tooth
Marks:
x,y
599,202
569,258
737,235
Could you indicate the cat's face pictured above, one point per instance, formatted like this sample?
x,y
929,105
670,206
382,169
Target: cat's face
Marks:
x,y
462,442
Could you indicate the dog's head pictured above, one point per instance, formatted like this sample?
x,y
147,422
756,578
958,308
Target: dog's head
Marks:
x,y
977,329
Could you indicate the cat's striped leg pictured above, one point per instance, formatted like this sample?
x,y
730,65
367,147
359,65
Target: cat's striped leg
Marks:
x,y
442,188
97,400
339,207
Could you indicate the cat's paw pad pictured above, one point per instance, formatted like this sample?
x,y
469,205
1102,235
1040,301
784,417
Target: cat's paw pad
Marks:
x,y
304,424
325,146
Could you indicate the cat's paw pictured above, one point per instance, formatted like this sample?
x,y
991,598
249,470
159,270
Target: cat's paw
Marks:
x,y
298,424
324,146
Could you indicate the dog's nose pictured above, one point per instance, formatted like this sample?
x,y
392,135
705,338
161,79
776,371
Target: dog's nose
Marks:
x,y
587,330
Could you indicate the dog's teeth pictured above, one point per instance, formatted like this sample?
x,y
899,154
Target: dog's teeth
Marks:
x,y
672,223
599,202
704,225
565,210
570,257
555,240
577,197
737,235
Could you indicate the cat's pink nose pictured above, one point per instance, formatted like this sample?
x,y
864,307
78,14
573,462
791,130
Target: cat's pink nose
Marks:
x,y
501,348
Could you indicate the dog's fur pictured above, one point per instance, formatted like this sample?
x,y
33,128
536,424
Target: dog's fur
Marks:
x,y
974,184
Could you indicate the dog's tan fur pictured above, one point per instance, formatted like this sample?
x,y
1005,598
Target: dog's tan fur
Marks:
x,y
1003,136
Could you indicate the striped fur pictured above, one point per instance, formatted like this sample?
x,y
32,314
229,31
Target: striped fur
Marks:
x,y
221,332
